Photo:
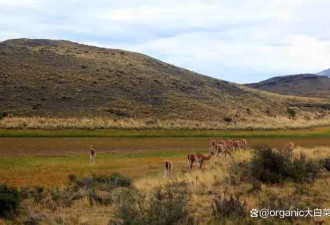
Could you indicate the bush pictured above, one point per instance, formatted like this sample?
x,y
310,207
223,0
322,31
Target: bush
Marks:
x,y
163,206
9,201
3,115
270,166
326,163
292,113
113,181
227,119
228,207
302,170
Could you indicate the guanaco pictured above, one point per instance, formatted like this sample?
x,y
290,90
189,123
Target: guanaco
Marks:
x,y
288,148
92,154
225,147
197,157
168,165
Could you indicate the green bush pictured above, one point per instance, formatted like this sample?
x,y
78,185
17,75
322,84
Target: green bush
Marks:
x,y
227,119
163,206
292,113
270,166
228,207
9,201
3,115
326,163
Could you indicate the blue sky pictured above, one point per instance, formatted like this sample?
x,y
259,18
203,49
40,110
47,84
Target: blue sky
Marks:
x,y
236,40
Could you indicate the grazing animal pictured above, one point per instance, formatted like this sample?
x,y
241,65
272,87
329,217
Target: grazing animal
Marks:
x,y
288,148
220,147
212,148
92,154
197,157
168,165
244,144
225,147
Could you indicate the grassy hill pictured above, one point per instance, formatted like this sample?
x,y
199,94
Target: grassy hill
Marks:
x,y
302,85
51,78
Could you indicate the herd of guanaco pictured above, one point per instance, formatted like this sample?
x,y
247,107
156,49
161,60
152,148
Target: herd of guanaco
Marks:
x,y
223,147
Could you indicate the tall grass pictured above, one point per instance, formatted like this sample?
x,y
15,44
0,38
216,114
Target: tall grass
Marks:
x,y
110,123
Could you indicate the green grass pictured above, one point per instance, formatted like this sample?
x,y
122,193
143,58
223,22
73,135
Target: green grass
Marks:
x,y
118,133
50,171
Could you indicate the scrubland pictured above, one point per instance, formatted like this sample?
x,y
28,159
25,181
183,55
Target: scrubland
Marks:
x,y
253,123
187,197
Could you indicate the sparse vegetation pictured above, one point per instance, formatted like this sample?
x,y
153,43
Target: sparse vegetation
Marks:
x,y
228,207
63,79
163,206
205,196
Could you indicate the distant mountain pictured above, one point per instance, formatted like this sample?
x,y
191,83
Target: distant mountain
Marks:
x,y
310,85
65,79
325,73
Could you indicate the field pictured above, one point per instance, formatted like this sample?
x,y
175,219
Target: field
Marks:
x,y
145,167
27,161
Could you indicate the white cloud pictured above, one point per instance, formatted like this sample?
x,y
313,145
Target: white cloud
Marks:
x,y
230,39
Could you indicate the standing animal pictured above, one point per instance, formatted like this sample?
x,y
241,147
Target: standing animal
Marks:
x,y
168,165
244,144
239,144
92,154
288,148
197,157
212,148
225,147
220,147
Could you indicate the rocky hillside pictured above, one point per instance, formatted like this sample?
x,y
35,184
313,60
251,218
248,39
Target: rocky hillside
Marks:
x,y
62,78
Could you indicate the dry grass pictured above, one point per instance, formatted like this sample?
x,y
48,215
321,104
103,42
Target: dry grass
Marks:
x,y
109,123
212,180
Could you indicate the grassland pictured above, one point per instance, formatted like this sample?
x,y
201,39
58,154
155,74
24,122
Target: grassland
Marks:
x,y
146,169
323,131
249,123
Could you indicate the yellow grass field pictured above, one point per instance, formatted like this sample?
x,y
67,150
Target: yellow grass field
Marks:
x,y
146,171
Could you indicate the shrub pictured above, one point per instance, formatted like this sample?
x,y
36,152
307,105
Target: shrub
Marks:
x,y
9,201
163,206
3,115
270,166
228,207
113,181
248,110
326,163
227,119
302,170
292,113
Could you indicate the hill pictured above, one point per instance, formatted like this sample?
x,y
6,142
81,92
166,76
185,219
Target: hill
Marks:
x,y
325,73
64,79
301,85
